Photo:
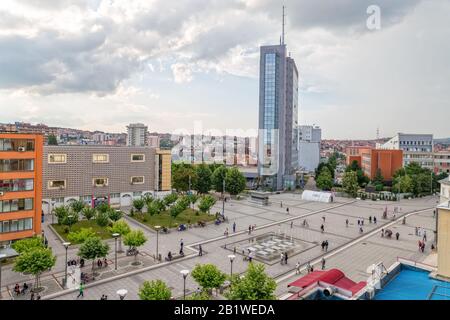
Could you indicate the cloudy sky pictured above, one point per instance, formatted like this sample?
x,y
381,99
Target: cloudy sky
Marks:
x,y
180,64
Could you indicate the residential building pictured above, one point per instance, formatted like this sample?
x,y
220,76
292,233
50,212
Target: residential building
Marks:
x,y
153,141
137,135
278,117
442,161
371,160
94,174
416,148
20,185
309,140
445,189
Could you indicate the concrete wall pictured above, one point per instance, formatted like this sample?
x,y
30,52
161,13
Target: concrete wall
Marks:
x,y
443,243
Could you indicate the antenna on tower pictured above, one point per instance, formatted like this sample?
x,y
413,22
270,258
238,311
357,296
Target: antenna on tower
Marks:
x,y
282,27
378,133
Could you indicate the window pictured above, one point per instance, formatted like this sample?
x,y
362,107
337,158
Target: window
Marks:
x,y
57,158
16,205
137,157
16,145
137,180
16,225
16,185
58,200
57,184
114,195
9,165
100,182
100,158
137,194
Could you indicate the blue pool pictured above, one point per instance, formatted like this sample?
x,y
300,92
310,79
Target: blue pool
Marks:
x,y
414,284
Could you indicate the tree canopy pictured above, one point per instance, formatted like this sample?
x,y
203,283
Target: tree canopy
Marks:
x,y
203,182
154,290
325,180
254,285
208,276
234,181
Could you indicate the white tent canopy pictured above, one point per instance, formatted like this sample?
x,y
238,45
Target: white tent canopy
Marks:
x,y
317,196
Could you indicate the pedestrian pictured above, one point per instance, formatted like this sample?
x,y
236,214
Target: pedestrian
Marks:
x,y
308,267
424,236
81,291
362,221
358,222
292,224
323,263
200,250
404,220
417,231
281,204
234,227
323,245
375,220
32,296
322,228
361,230
287,210
346,223
323,218
326,245
420,245
285,258
282,258
234,250
226,232
434,213
249,229
297,268
397,235
38,297
370,219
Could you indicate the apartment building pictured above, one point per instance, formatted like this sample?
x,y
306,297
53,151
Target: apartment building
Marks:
x,y
137,135
416,148
309,138
442,162
371,160
95,174
20,186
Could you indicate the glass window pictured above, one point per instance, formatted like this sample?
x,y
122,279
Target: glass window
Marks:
x,y
137,194
100,158
28,224
137,157
18,145
137,180
100,182
9,165
57,184
16,185
57,158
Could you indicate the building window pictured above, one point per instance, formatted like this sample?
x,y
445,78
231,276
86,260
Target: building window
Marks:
x,y
137,194
16,185
16,205
18,145
137,180
57,158
9,165
58,200
100,158
16,225
100,182
57,184
114,195
137,157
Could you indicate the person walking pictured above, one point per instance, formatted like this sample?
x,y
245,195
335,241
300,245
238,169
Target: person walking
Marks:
x,y
346,223
375,220
308,267
382,233
361,230
285,258
281,204
424,235
297,268
287,210
323,245
292,224
370,219
281,258
323,263
322,228
249,229
234,227
416,231
200,250
397,235
359,222
326,245
323,218
81,290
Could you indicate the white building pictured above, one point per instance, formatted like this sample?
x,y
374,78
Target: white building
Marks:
x,y
416,148
153,141
309,147
137,135
445,190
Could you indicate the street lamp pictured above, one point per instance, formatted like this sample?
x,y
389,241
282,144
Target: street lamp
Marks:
x,y
231,257
157,240
115,236
53,211
185,274
66,246
122,293
2,256
223,200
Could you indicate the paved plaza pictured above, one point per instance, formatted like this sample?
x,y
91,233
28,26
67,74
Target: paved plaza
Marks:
x,y
349,249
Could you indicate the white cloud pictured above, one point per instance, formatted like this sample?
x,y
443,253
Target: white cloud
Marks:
x,y
181,73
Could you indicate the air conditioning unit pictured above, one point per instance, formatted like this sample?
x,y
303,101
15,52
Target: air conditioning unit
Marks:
x,y
1,193
21,149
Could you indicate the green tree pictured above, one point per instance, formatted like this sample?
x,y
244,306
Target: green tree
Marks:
x,y
103,207
77,206
114,214
139,204
120,227
175,210
325,180
254,285
81,235
208,276
134,239
350,183
170,199
192,198
180,176
152,209
148,199
92,249
51,140
70,219
102,218
27,244
154,290
217,178
403,184
159,205
88,213
203,182
378,179
61,212
35,261
206,202
234,181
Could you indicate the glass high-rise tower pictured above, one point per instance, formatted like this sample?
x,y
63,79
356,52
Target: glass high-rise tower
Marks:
x,y
278,117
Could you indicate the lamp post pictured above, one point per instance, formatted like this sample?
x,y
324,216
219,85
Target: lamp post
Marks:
x,y
66,246
53,211
122,293
185,274
190,205
2,256
115,236
223,198
231,257
157,241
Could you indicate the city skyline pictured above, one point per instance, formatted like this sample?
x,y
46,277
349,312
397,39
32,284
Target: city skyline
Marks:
x,y
182,67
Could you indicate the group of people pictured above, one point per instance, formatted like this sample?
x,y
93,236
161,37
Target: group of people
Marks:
x,y
104,297
324,245
74,262
101,263
283,258
23,290
251,228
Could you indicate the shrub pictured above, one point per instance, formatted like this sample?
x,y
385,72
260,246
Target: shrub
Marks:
x,y
81,235
102,219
